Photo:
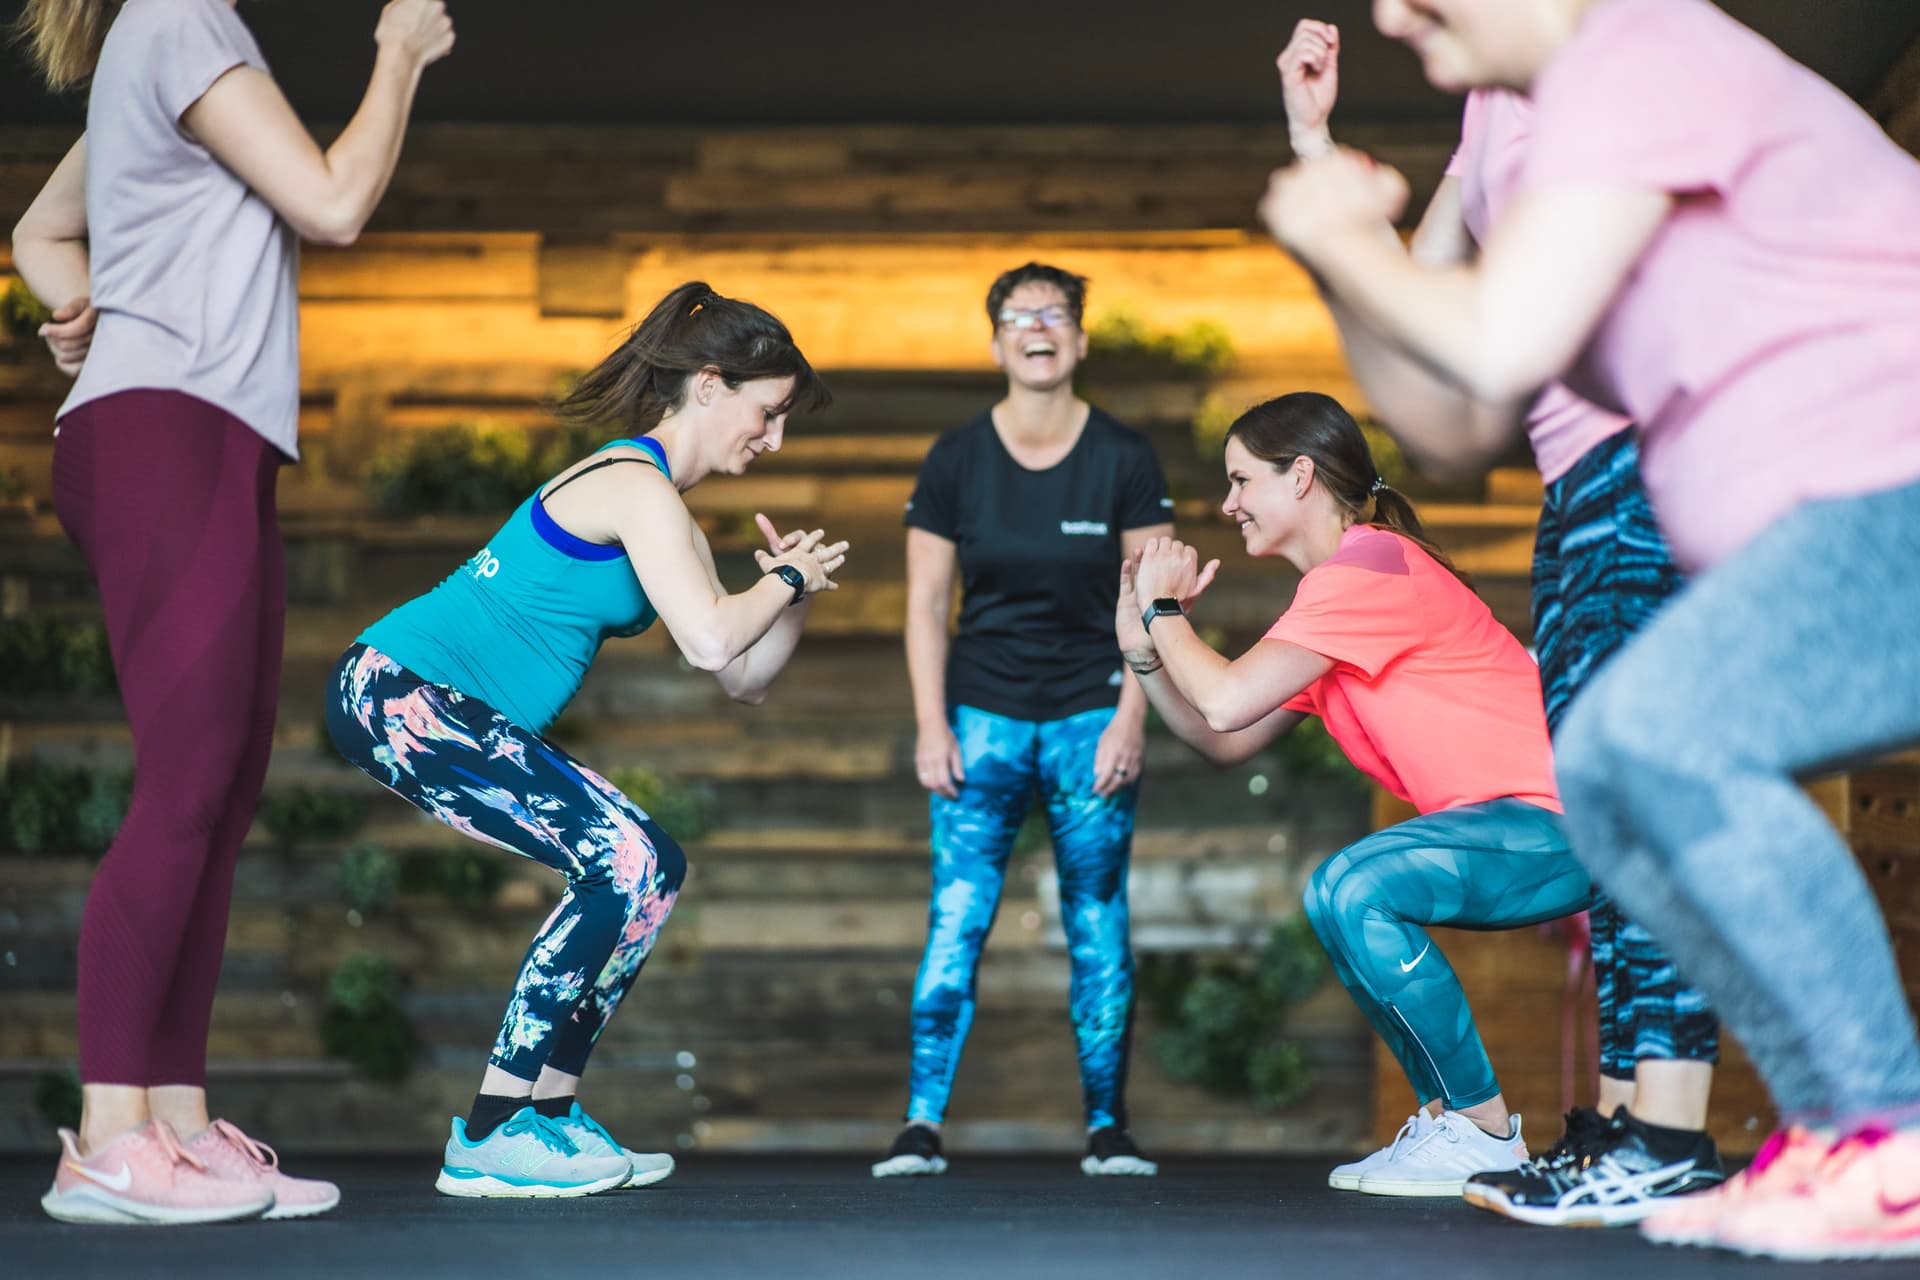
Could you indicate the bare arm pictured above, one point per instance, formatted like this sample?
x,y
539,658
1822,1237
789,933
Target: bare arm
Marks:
x,y
933,565
1500,329
749,677
1121,752
249,126
671,558
1180,715
50,252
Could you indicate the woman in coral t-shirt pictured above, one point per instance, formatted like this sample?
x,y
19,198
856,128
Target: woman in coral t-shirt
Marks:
x,y
1429,696
1713,240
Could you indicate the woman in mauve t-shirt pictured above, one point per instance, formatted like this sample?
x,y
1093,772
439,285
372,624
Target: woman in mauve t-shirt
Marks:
x,y
1430,697
165,243
1708,237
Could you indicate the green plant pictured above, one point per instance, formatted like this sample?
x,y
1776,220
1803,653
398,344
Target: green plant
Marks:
x,y
367,876
1221,1020
1201,350
56,1098
50,654
365,1022
1309,751
471,468
464,877
54,808
301,815
21,313
681,811
12,484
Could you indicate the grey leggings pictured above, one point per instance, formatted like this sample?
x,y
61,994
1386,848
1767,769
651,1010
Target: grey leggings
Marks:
x,y
1678,767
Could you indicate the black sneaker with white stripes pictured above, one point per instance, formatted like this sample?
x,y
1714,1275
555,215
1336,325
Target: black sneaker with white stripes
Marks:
x,y
914,1154
1111,1153
1628,1172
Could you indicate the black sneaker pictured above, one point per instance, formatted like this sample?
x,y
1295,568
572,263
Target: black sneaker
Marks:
x,y
1588,1135
914,1154
1112,1153
1636,1172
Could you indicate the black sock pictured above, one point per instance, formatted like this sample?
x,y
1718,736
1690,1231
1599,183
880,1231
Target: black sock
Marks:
x,y
554,1108
490,1111
1669,1144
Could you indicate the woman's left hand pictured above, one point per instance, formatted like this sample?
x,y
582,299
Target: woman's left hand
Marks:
x,y
1169,568
1116,760
1311,201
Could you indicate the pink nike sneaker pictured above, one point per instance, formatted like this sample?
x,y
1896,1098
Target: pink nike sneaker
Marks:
x,y
147,1177
1781,1167
231,1154
1863,1201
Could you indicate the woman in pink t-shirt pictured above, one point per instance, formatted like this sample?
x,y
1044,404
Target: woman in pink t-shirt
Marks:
x,y
166,244
1601,571
1711,239
1429,696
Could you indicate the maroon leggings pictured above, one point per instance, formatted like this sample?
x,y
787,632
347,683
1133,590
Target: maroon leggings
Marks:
x,y
172,500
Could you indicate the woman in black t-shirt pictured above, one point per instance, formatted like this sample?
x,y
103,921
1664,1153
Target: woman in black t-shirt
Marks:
x,y
1034,504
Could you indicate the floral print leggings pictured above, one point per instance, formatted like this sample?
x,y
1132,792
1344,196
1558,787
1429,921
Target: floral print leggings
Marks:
x,y
477,771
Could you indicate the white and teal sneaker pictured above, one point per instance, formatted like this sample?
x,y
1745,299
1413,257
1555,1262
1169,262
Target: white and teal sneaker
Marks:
x,y
529,1155
593,1140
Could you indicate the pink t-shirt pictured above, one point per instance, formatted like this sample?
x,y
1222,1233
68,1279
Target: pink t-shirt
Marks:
x,y
1768,340
1428,695
1493,149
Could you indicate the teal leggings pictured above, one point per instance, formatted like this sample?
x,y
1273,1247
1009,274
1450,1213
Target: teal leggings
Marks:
x,y
1500,864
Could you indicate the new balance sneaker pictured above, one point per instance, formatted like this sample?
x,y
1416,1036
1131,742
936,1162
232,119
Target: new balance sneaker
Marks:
x,y
1111,1153
529,1155
1622,1176
1861,1201
588,1135
1440,1160
1782,1166
146,1176
1346,1177
231,1154
914,1154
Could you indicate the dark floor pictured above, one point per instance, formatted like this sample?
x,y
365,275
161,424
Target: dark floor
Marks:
x,y
798,1218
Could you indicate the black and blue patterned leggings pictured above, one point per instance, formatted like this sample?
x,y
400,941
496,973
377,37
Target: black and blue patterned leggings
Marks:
x,y
1600,571
475,770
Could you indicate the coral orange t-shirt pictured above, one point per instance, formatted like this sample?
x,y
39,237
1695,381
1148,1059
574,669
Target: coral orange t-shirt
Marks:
x,y
1428,695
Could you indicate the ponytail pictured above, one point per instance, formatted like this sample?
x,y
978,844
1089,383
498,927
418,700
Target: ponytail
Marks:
x,y
63,37
691,329
1307,424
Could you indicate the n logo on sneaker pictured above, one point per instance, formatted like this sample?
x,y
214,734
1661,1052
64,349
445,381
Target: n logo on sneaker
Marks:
x,y
118,1182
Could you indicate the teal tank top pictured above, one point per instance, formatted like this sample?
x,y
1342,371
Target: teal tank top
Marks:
x,y
518,625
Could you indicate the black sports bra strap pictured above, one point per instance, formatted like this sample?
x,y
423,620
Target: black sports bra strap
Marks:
x,y
604,462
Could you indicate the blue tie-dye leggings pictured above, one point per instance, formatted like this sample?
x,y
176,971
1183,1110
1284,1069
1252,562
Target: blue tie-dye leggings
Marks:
x,y
483,775
1007,761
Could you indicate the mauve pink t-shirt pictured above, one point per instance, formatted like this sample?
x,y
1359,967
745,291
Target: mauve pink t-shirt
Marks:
x,y
195,276
1493,146
1768,340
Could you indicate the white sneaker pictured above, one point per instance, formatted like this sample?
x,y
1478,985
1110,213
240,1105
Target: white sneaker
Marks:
x,y
593,1140
528,1156
1346,1177
1439,1161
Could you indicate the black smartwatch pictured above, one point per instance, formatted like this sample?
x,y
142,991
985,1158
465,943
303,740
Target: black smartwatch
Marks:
x,y
1159,609
795,579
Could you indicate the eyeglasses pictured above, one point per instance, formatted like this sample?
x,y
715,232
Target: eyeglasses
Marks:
x,y
1054,317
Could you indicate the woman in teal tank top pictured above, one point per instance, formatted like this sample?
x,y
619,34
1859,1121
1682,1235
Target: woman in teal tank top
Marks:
x,y
446,701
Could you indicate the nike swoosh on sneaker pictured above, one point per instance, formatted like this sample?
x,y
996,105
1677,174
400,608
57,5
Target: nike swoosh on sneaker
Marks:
x,y
1406,966
118,1182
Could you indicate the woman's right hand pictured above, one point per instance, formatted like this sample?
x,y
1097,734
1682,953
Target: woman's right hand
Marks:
x,y
418,30
1310,84
810,553
936,761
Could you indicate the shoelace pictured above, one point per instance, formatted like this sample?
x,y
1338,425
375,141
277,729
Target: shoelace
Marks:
x,y
262,1155
1410,1132
1585,1138
169,1143
587,1122
544,1130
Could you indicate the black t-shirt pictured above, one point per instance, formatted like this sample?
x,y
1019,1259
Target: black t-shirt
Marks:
x,y
1039,556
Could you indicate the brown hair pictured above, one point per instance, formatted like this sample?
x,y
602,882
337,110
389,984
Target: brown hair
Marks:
x,y
691,329
64,37
1073,286
1307,424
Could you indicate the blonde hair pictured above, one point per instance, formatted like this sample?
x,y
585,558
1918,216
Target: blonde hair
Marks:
x,y
64,37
